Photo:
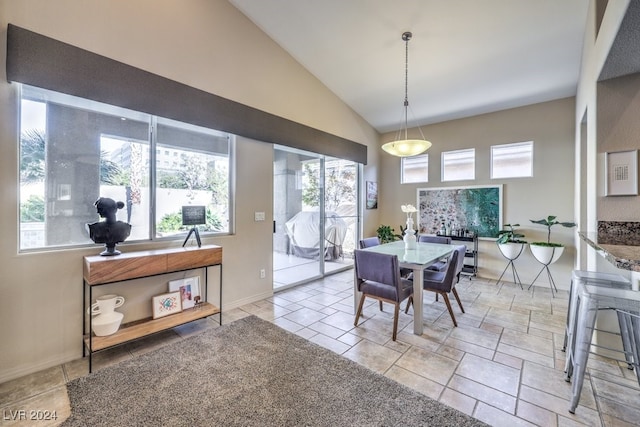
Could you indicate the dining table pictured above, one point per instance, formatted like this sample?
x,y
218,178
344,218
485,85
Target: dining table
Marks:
x,y
424,255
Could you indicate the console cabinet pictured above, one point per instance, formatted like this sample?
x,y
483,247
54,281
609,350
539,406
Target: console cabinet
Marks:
x,y
104,270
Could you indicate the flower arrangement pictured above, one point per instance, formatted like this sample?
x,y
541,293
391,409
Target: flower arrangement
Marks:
x,y
409,210
409,232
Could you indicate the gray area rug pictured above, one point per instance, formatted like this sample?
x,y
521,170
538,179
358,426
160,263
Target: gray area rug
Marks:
x,y
249,373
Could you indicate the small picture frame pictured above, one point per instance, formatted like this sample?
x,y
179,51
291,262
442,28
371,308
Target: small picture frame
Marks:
x,y
372,195
166,304
621,171
189,289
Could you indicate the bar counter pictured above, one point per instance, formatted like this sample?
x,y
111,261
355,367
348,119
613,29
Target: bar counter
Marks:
x,y
618,252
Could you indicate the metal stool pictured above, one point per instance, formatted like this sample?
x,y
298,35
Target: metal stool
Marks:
x,y
589,301
592,278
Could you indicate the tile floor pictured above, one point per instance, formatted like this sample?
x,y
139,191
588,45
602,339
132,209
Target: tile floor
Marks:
x,y
503,364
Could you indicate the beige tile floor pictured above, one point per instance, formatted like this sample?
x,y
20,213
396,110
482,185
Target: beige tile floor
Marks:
x,y
503,364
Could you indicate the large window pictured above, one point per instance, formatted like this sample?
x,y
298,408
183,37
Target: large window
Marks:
x,y
512,160
414,169
459,165
73,151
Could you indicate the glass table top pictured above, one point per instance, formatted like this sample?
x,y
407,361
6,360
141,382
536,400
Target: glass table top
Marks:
x,y
424,254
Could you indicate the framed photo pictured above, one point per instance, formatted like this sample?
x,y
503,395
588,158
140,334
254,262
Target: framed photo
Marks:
x,y
189,289
166,304
621,170
372,195
194,215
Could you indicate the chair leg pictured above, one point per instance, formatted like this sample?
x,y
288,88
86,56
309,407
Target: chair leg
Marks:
x,y
380,305
409,302
359,312
395,320
455,294
446,300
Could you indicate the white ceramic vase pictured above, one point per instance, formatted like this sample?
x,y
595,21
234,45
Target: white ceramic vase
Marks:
x,y
107,320
410,235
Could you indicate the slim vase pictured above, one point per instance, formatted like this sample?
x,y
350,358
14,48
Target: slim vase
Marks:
x,y
409,235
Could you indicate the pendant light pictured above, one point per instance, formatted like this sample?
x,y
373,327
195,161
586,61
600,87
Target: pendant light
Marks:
x,y
403,146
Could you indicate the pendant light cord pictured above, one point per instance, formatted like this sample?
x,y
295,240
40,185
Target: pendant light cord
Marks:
x,y
406,37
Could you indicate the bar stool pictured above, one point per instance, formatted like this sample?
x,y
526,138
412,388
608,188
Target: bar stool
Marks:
x,y
588,301
594,278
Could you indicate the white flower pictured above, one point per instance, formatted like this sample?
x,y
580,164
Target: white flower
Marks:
x,y
408,209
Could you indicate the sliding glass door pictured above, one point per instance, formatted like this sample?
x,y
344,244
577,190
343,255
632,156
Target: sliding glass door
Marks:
x,y
315,216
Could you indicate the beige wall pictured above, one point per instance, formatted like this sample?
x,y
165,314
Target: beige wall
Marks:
x,y
549,192
618,129
208,45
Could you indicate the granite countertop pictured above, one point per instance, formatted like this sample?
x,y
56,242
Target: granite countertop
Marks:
x,y
618,242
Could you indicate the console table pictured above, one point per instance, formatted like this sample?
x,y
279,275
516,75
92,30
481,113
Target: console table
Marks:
x,y
103,270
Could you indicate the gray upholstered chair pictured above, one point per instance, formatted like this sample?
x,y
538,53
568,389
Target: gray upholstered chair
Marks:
x,y
369,241
443,282
440,265
434,239
375,241
378,277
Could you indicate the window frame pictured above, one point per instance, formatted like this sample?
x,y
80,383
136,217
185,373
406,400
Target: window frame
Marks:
x,y
444,169
151,234
511,145
403,167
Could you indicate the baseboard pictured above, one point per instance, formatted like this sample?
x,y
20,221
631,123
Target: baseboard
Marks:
x,y
22,371
245,301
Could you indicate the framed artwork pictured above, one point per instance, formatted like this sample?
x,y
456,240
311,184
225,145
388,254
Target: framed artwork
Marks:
x,y
166,304
621,171
475,208
189,289
372,195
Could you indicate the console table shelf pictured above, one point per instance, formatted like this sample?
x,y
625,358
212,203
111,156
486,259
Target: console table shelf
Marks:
x,y
101,270
144,327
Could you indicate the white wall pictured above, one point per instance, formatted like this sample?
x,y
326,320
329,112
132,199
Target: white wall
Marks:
x,y
207,44
612,105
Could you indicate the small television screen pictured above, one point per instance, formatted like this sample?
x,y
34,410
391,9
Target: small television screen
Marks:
x,y
194,215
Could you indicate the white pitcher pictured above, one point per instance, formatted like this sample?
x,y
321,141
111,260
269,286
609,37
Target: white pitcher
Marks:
x,y
106,304
107,320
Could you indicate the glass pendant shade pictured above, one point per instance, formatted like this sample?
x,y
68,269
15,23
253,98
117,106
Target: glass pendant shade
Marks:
x,y
407,147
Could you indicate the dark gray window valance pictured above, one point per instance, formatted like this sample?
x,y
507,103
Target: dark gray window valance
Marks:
x,y
41,61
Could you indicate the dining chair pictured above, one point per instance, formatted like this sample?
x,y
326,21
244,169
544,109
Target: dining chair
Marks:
x,y
378,277
444,282
375,241
434,239
442,264
369,241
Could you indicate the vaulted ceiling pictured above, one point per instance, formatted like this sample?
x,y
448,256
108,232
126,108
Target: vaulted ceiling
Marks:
x,y
466,57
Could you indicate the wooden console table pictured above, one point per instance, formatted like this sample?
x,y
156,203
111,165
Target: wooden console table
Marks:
x,y
103,270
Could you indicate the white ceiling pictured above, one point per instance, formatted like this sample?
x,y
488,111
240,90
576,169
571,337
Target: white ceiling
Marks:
x,y
466,57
